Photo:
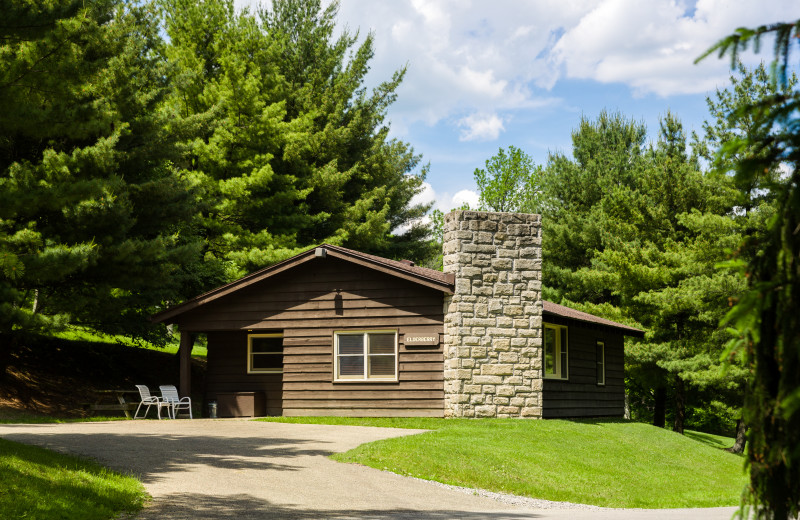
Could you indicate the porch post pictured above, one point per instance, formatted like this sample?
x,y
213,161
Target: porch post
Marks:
x,y
185,354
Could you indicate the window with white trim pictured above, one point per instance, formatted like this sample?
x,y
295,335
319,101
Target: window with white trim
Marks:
x,y
365,355
600,359
265,353
556,350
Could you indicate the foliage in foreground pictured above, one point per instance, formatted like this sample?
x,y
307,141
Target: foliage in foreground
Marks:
x,y
767,317
608,463
41,484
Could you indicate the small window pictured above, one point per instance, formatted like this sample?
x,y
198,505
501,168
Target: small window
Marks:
x,y
600,358
368,355
556,349
265,353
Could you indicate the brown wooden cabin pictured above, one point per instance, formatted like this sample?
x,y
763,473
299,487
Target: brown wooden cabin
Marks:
x,y
333,331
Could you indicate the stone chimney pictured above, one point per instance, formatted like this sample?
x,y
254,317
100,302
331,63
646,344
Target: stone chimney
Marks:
x,y
493,322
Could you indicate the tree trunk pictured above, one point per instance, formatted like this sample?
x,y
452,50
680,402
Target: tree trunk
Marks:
x,y
680,405
660,409
627,412
741,437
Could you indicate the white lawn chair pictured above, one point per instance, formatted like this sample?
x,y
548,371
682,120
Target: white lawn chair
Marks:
x,y
149,400
170,395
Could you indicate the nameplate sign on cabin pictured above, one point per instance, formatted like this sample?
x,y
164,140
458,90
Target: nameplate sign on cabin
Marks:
x,y
425,337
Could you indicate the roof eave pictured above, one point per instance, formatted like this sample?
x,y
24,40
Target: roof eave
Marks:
x,y
623,329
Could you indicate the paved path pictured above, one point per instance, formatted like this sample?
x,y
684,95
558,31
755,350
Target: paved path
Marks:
x,y
235,469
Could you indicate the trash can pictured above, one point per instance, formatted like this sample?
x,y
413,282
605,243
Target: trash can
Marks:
x,y
212,409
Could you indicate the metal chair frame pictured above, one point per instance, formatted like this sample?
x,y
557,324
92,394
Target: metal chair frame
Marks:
x,y
150,400
169,394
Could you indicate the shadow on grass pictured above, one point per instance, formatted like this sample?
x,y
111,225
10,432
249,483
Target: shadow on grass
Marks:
x,y
190,506
715,441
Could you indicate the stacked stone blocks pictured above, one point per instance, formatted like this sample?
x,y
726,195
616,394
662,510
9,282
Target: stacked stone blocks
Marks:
x,y
493,321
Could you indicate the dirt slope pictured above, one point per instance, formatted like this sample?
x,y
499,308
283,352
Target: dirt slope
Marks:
x,y
56,377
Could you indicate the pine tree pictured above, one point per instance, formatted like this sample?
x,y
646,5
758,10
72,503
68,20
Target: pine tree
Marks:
x,y
296,151
634,233
93,216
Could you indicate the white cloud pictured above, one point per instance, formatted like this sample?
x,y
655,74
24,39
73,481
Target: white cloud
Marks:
x,y
445,201
425,196
468,196
651,46
500,57
480,127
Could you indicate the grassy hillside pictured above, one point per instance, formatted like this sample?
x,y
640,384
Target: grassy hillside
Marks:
x,y
612,463
53,377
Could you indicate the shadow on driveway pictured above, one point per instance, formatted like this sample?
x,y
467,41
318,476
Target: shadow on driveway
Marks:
x,y
246,507
147,455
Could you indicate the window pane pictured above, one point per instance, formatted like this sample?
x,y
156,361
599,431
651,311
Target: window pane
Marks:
x,y
351,367
267,362
549,350
564,350
381,343
351,343
381,366
266,344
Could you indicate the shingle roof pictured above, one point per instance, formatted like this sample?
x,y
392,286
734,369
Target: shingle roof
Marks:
x,y
565,312
429,277
423,272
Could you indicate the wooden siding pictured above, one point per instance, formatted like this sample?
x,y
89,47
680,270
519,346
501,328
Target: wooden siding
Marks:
x,y
580,395
227,370
307,305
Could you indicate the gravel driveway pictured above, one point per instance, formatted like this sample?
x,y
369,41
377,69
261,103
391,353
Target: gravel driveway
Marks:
x,y
237,469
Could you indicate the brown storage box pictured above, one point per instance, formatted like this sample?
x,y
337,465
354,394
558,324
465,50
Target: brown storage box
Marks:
x,y
241,404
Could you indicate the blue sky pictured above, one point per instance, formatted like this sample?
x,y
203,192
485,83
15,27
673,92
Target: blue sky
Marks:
x,y
489,74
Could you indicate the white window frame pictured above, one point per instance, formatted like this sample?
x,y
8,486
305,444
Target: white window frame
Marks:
x,y
250,369
562,373
600,364
365,377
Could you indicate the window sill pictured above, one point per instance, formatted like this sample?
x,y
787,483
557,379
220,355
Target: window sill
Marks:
x,y
261,372
361,381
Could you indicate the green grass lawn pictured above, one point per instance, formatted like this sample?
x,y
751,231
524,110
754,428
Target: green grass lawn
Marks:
x,y
84,334
40,484
610,463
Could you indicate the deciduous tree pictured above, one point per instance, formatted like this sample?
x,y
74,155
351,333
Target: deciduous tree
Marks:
x,y
510,182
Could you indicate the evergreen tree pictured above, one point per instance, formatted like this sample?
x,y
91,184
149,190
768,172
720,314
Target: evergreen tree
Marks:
x,y
628,232
93,217
296,151
731,121
767,317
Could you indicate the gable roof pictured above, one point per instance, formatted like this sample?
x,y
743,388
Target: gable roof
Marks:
x,y
422,275
406,270
554,309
